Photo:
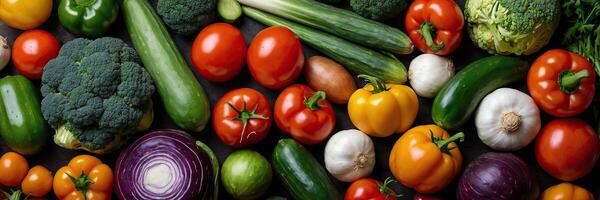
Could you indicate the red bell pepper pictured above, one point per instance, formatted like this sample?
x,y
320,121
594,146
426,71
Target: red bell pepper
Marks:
x,y
561,83
435,26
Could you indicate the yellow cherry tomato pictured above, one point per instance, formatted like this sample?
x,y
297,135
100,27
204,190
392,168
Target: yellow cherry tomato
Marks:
x,y
25,14
566,191
380,109
38,182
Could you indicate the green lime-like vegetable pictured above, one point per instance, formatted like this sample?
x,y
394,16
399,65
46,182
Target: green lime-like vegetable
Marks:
x,y
246,174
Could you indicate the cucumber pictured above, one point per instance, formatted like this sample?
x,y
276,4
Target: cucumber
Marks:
x,y
22,125
455,103
337,21
358,59
182,95
229,10
300,172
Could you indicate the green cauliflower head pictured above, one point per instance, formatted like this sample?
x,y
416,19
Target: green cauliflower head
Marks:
x,y
96,94
512,27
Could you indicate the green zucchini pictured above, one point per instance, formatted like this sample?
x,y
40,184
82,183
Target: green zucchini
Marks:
x,y
300,172
340,22
358,59
182,95
455,103
22,125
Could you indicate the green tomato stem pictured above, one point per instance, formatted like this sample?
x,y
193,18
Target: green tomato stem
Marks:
x,y
313,101
569,81
427,31
378,84
82,183
245,115
443,143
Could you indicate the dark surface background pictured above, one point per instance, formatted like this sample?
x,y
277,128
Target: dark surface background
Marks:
x,y
53,157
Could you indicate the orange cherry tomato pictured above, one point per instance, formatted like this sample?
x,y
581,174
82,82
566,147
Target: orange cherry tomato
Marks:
x,y
275,57
84,175
566,191
13,168
219,52
38,182
32,50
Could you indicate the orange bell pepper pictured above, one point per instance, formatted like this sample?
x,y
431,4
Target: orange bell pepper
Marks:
x,y
84,178
25,14
426,158
566,191
380,109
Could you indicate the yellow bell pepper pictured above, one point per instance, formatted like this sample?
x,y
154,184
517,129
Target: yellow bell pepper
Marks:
x,y
25,14
380,109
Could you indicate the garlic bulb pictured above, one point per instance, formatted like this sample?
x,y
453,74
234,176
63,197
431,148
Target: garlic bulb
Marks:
x,y
428,73
4,52
349,155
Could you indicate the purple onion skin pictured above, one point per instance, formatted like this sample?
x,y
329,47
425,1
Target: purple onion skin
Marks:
x,y
193,164
498,176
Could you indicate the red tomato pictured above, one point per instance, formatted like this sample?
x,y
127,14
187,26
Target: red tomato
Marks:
x,y
275,57
242,117
32,50
567,149
370,189
219,52
306,115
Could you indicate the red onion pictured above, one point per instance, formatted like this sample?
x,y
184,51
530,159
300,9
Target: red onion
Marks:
x,y
498,176
164,164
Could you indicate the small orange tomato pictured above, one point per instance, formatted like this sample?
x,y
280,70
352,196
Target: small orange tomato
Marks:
x,y
13,168
84,175
38,182
566,191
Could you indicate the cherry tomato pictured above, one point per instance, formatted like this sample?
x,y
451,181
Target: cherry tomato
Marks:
x,y
13,168
370,189
38,182
84,175
219,52
275,57
32,50
305,114
567,149
242,117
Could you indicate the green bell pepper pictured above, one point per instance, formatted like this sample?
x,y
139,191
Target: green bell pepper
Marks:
x,y
88,17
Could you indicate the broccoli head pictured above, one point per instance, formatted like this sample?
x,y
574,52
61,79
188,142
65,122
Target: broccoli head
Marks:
x,y
508,26
378,10
186,17
96,94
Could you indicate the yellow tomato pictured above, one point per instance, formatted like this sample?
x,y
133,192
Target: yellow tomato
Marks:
x,y
566,191
25,14
381,110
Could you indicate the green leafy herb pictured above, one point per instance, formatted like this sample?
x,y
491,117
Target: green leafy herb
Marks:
x,y
583,34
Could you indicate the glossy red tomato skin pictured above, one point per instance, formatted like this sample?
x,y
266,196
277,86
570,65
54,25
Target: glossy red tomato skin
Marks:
x,y
229,130
32,50
567,149
366,189
275,57
304,125
219,52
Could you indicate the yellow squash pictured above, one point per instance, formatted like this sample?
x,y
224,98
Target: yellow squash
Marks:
x,y
381,110
25,14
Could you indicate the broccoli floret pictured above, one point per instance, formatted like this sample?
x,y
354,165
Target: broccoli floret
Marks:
x,y
332,2
186,17
508,26
96,94
378,10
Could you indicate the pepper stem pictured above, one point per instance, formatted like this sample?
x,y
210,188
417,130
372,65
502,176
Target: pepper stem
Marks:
x,y
245,115
313,101
82,183
443,143
378,84
569,80
385,190
85,3
427,31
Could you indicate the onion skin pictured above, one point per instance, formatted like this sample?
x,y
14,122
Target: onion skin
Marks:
x,y
4,52
326,75
177,150
498,176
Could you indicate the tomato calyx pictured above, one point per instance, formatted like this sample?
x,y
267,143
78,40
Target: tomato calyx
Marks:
x,y
569,80
313,101
385,190
244,115
82,183
15,195
443,143
378,84
427,31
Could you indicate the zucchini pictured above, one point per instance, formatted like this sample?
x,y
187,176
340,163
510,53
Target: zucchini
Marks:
x,y
455,103
22,125
300,172
337,21
358,59
229,10
182,95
